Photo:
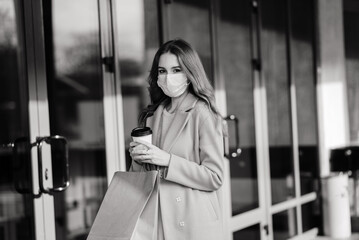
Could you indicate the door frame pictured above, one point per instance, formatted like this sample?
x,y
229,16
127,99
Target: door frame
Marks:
x,y
38,124
39,120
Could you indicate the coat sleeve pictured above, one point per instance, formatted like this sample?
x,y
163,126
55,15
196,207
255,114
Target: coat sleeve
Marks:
x,y
208,174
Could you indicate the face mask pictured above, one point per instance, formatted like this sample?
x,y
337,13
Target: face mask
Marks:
x,y
173,84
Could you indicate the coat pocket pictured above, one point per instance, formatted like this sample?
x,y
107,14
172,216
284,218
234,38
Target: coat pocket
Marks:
x,y
211,206
203,212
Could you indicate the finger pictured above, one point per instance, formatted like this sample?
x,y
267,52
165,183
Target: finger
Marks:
x,y
140,147
147,161
141,157
133,144
140,152
147,144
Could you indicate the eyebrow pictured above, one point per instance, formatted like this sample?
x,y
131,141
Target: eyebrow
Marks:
x,y
171,67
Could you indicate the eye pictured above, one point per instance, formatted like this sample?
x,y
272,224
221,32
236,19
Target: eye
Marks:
x,y
177,70
161,71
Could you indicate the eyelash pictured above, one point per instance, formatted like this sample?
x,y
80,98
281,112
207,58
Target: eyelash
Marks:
x,y
176,70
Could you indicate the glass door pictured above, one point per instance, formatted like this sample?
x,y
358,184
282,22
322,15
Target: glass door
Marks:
x,y
288,74
57,77
80,90
238,79
17,214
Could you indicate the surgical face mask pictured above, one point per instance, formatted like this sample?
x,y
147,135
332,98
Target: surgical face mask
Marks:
x,y
173,84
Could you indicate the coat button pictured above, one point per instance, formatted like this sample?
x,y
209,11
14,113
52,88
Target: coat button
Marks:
x,y
181,224
178,199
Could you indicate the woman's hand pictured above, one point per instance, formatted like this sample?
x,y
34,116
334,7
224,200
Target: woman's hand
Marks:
x,y
144,152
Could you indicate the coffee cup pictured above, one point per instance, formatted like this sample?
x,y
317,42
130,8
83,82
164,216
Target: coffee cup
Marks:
x,y
142,133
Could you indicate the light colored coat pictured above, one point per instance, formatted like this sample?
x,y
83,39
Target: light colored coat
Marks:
x,y
189,200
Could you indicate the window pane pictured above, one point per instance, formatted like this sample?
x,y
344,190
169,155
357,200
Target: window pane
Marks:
x,y
190,20
284,225
75,91
235,64
303,67
275,74
138,43
311,215
16,200
252,233
351,36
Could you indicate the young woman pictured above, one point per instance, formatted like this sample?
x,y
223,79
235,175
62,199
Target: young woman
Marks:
x,y
187,145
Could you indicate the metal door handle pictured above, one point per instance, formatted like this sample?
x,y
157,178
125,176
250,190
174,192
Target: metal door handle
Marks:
x,y
238,150
51,141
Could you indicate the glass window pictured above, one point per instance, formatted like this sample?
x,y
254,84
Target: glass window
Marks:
x,y
235,65
275,74
16,199
284,224
311,215
351,36
137,45
252,233
75,92
190,20
303,77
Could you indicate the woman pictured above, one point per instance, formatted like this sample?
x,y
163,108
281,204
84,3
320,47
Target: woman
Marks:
x,y
187,145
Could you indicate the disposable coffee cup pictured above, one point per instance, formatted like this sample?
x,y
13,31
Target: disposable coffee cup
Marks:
x,y
142,133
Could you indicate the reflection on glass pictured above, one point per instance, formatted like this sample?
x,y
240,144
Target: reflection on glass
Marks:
x,y
302,66
138,43
190,20
252,233
284,224
311,215
351,37
275,74
234,57
16,200
75,92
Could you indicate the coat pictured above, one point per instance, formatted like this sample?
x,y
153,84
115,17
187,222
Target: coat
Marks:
x,y
189,200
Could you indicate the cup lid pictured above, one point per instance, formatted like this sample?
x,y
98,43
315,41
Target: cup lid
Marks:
x,y
141,131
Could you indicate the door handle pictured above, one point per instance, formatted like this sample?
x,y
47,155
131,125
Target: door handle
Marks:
x,y
238,149
57,155
20,150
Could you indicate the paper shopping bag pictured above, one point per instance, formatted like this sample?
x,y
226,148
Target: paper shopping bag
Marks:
x,y
129,210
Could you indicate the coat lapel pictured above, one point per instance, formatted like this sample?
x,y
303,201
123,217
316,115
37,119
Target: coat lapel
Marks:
x,y
180,119
179,122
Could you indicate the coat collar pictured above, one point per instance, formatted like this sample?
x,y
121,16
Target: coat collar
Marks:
x,y
180,119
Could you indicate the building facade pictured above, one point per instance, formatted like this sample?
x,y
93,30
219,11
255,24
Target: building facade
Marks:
x,y
73,82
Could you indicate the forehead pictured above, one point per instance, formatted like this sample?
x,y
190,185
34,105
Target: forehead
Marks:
x,y
168,60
